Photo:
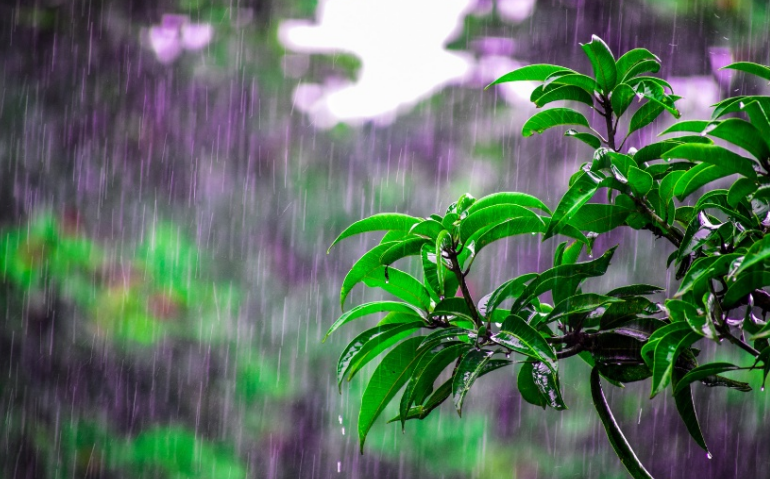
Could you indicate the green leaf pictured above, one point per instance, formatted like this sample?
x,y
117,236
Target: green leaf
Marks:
x,y
599,218
653,90
693,126
402,249
631,58
566,92
455,306
547,382
368,345
757,111
394,370
668,185
702,372
540,122
635,289
449,282
429,228
639,180
378,222
517,335
399,284
492,216
525,382
510,289
576,80
371,308
666,352
648,66
615,435
716,155
740,190
704,270
588,138
603,63
537,72
752,68
686,408
511,227
420,412
685,311
579,303
572,273
622,96
745,284
508,198
431,365
644,116
471,365
728,105
579,192
740,133
619,314
696,177
366,264
758,253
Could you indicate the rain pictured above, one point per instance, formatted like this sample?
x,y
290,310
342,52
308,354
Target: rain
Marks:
x,y
172,173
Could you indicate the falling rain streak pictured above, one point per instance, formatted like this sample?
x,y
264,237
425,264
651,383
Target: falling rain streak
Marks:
x,y
172,173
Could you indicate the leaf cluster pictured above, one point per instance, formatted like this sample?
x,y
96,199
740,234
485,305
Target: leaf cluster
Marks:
x,y
435,340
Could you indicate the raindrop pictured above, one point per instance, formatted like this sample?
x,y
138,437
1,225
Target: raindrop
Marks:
x,y
708,454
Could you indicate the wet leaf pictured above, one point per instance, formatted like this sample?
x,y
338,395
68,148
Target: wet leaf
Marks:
x,y
378,222
540,122
603,63
639,180
701,372
547,382
392,373
588,138
579,303
492,216
526,384
508,198
368,345
644,116
562,93
749,67
408,247
431,365
744,284
366,264
740,191
757,254
716,155
622,97
455,306
741,133
371,308
471,365
635,289
599,218
579,192
631,58
686,408
399,284
510,289
615,435
666,352
564,273
537,72
511,227
696,177
517,335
